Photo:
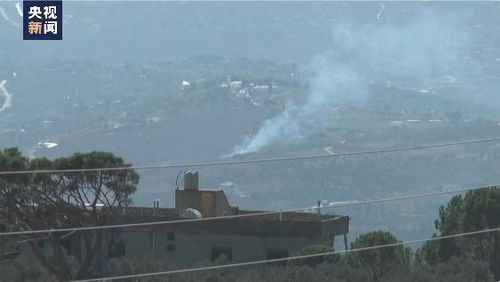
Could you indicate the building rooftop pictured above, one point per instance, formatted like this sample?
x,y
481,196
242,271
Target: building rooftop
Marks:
x,y
213,203
139,214
288,224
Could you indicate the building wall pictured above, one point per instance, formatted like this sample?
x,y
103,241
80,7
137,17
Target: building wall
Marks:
x,y
187,248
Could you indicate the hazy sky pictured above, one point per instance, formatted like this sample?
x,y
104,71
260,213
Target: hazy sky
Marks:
x,y
152,31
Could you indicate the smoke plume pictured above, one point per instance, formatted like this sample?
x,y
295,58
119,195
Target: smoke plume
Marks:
x,y
412,52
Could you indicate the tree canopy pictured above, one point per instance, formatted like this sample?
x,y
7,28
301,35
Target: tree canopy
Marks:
x,y
35,201
477,210
379,262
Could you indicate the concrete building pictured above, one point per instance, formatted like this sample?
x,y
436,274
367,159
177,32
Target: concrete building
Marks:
x,y
236,239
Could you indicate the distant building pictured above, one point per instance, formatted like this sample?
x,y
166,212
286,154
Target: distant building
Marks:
x,y
237,239
184,84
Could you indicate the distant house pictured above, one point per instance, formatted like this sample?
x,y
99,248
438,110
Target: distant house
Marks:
x,y
184,84
236,84
237,239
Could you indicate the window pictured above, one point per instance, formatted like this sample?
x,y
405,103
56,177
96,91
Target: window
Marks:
x,y
40,244
170,248
10,250
222,253
276,253
66,246
171,236
116,250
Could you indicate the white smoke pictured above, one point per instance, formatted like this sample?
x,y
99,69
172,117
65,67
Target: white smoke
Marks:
x,y
410,53
283,125
328,87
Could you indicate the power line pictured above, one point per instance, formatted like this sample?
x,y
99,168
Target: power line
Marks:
x,y
263,160
186,270
155,223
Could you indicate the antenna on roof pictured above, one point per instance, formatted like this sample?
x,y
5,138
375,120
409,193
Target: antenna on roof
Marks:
x,y
156,207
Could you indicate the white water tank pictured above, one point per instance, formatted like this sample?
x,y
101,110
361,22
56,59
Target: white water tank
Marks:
x,y
190,213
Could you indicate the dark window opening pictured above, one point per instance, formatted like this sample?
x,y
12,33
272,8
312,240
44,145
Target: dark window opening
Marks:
x,y
277,253
171,236
40,244
116,250
10,250
222,253
170,248
66,246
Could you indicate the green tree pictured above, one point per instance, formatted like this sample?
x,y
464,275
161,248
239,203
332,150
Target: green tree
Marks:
x,y
456,269
380,262
477,210
316,249
63,200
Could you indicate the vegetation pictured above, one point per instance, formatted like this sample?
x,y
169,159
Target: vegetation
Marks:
x,y
316,249
163,104
477,210
140,112
462,259
379,262
63,200
73,199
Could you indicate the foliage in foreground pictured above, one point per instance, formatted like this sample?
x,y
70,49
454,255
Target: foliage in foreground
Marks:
x,y
38,201
477,210
44,201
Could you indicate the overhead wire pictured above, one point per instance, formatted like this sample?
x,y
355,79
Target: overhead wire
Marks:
x,y
308,157
261,160
179,221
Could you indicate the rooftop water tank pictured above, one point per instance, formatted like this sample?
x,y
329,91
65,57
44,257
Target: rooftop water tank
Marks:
x,y
191,180
190,213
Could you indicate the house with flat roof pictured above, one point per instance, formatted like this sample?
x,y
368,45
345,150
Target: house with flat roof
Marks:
x,y
239,237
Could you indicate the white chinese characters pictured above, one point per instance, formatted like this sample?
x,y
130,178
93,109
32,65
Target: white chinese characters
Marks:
x,y
43,20
50,12
35,12
50,27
